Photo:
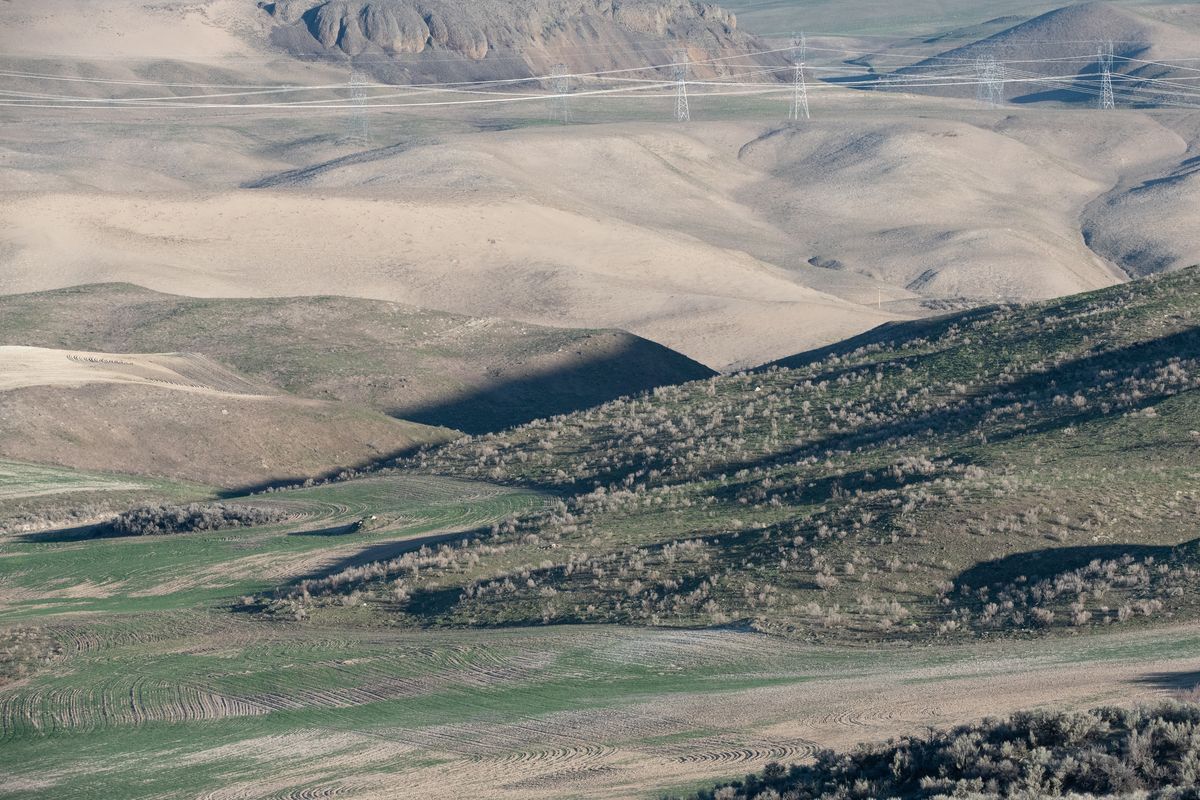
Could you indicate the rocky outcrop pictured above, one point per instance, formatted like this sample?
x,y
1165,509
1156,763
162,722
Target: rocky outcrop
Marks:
x,y
476,29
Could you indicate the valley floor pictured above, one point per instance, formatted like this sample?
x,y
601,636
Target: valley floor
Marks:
x,y
192,704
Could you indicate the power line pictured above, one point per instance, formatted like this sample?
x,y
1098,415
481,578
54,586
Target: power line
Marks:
x,y
799,87
756,80
990,89
683,112
1104,59
358,128
561,86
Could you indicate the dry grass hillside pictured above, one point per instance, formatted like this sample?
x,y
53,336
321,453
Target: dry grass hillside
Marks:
x,y
743,242
467,373
181,416
1057,51
734,240
1147,222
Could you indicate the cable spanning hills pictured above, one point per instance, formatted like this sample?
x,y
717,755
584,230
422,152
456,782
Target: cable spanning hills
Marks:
x,y
1064,56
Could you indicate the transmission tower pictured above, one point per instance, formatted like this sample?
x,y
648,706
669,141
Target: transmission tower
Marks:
x,y
990,85
799,87
359,132
560,84
1104,59
683,113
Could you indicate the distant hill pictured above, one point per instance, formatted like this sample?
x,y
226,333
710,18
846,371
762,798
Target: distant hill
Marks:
x,y
1007,469
457,39
466,373
1057,53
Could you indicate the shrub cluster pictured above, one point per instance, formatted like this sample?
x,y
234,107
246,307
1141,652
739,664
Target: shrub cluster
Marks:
x,y
1105,753
156,520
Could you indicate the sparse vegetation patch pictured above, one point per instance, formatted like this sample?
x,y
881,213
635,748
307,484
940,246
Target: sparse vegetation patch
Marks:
x,y
1106,753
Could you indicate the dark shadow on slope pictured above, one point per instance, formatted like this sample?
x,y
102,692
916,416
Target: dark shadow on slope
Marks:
x,y
637,366
333,473
301,175
1036,565
1175,681
336,530
386,551
1076,96
80,533
820,490
1185,170
928,328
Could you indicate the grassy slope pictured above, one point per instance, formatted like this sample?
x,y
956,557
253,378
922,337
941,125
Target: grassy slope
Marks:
x,y
55,572
439,369
35,496
898,485
218,439
155,676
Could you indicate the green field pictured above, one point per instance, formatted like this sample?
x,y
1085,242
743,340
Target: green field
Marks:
x,y
36,496
69,571
200,703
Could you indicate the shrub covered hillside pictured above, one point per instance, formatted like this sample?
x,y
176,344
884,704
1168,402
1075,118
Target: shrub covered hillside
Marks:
x,y
1005,469
1152,754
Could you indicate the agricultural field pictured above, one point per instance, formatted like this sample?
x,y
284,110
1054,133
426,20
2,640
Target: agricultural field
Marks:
x,y
193,703
37,496
330,527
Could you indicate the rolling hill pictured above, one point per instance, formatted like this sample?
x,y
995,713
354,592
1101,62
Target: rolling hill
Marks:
x,y
1057,53
743,243
470,374
182,416
742,239
963,476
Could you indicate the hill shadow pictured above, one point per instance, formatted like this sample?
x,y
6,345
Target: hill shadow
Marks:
x,y
1184,681
79,533
383,551
1036,565
637,366
334,473
336,530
